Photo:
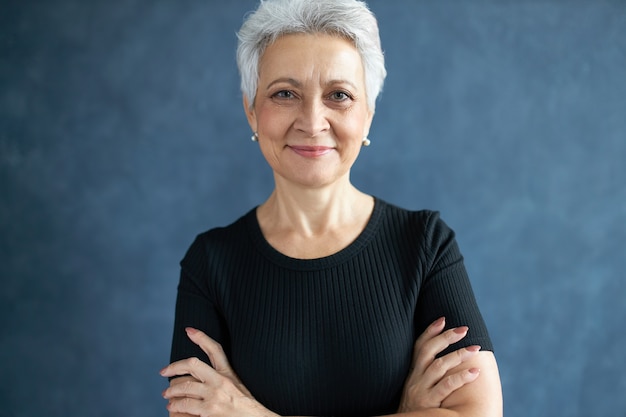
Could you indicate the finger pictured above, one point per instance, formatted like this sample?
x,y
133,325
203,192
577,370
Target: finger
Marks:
x,y
453,382
217,357
438,368
431,331
442,365
185,405
191,366
213,349
189,388
438,344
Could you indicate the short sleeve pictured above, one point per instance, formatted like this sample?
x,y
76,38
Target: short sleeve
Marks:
x,y
195,305
446,290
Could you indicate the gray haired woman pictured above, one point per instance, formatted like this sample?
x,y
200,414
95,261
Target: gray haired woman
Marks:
x,y
324,300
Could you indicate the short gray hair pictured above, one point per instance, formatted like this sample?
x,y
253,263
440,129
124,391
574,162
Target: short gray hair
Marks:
x,y
350,19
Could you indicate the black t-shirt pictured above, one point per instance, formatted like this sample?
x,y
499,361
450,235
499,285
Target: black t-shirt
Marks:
x,y
331,336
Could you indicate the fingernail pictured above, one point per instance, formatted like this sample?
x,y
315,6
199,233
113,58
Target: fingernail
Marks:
x,y
474,371
162,371
461,330
439,321
190,330
474,348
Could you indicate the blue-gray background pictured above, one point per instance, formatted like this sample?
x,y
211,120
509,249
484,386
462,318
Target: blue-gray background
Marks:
x,y
122,135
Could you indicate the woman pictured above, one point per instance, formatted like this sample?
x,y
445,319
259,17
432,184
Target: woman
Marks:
x,y
312,303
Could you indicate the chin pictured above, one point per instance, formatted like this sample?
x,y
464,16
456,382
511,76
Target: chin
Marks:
x,y
314,181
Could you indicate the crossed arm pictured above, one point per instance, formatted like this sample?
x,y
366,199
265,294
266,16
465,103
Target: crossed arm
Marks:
x,y
464,383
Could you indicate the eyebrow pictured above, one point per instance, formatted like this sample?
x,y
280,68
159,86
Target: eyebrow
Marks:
x,y
298,84
287,80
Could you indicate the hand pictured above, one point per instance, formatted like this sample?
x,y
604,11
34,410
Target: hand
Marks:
x,y
430,380
214,392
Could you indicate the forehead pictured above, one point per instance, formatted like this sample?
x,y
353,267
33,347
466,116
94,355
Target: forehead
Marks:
x,y
311,55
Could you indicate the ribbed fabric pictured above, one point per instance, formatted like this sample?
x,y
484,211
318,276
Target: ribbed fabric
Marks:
x,y
330,336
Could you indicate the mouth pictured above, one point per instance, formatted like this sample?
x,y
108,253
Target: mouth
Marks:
x,y
311,151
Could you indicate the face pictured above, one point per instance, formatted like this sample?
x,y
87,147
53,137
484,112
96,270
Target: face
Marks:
x,y
310,110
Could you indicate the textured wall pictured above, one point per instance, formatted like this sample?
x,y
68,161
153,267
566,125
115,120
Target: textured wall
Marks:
x,y
122,135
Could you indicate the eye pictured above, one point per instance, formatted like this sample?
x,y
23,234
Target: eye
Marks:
x,y
340,96
284,94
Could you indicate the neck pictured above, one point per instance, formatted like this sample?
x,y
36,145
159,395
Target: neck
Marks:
x,y
313,211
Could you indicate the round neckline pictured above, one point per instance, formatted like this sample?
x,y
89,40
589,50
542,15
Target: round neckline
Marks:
x,y
334,259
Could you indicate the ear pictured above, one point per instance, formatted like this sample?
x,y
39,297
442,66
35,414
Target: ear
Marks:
x,y
368,123
250,114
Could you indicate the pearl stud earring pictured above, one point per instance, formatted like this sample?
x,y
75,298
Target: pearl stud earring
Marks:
x,y
255,137
366,142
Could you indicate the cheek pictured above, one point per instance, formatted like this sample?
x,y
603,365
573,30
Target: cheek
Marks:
x,y
272,124
353,128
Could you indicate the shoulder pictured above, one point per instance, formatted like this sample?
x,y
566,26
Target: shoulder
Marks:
x,y
218,239
424,226
429,221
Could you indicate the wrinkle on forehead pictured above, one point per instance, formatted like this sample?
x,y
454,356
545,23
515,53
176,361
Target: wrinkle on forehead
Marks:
x,y
302,58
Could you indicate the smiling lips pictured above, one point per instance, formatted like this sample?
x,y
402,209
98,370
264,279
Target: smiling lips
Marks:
x,y
311,151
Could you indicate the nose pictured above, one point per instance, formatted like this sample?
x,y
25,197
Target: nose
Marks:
x,y
312,118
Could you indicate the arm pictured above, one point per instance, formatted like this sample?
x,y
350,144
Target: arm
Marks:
x,y
446,291
209,391
462,383
481,398
194,294
219,392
